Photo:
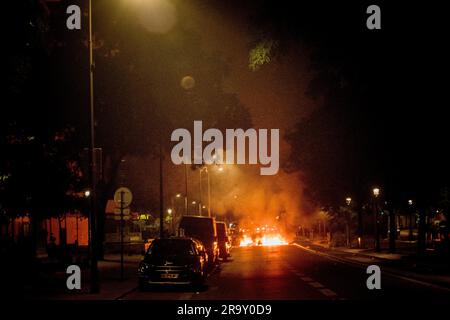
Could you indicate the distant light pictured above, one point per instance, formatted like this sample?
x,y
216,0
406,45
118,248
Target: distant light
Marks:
x,y
410,202
220,169
169,211
87,193
193,202
376,192
204,207
348,200
178,195
143,217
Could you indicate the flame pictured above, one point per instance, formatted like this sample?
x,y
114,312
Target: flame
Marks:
x,y
265,240
275,240
246,241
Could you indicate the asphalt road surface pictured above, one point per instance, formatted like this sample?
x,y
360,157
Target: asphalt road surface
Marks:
x,y
289,272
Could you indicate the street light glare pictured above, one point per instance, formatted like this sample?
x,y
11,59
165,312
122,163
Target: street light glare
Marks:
x,y
376,192
158,16
87,193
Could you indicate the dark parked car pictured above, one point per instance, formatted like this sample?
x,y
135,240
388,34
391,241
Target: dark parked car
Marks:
x,y
223,240
176,260
203,229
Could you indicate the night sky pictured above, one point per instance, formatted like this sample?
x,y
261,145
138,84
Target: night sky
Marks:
x,y
370,103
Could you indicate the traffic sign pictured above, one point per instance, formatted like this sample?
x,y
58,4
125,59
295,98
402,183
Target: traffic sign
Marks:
x,y
125,195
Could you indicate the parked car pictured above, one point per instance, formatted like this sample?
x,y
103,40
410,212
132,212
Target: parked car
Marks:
x,y
223,240
203,229
175,260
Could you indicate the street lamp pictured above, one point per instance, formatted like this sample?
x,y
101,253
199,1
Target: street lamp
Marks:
x,y
376,193
209,189
411,211
348,200
94,282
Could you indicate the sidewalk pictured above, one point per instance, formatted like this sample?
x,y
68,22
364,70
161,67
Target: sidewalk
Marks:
x,y
404,263
51,283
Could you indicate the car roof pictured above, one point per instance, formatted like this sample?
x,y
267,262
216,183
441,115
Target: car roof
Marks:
x,y
174,238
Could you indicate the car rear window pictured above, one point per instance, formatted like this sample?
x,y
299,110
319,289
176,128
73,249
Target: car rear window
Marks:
x,y
171,247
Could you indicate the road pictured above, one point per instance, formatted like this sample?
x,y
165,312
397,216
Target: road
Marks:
x,y
290,272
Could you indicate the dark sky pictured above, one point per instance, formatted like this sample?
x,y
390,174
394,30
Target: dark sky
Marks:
x,y
395,104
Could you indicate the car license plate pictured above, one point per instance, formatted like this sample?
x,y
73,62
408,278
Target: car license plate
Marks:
x,y
169,275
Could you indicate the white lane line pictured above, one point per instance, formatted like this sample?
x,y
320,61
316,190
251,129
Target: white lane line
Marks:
x,y
391,273
328,292
316,284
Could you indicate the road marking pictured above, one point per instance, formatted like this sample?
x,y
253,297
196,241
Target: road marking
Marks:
x,y
316,284
328,292
353,263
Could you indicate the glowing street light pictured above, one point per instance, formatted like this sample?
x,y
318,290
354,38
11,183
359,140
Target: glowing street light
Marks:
x,y
376,192
169,211
410,202
87,193
348,200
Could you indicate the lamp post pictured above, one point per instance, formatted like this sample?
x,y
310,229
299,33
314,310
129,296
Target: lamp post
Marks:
x,y
186,208
410,209
348,201
376,193
94,281
170,213
209,189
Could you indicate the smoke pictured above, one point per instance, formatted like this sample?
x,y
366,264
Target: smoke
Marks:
x,y
259,200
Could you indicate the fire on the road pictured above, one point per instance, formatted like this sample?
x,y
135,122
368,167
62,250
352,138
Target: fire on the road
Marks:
x,y
265,240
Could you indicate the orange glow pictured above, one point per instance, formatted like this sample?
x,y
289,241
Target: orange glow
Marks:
x,y
246,241
265,240
274,240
